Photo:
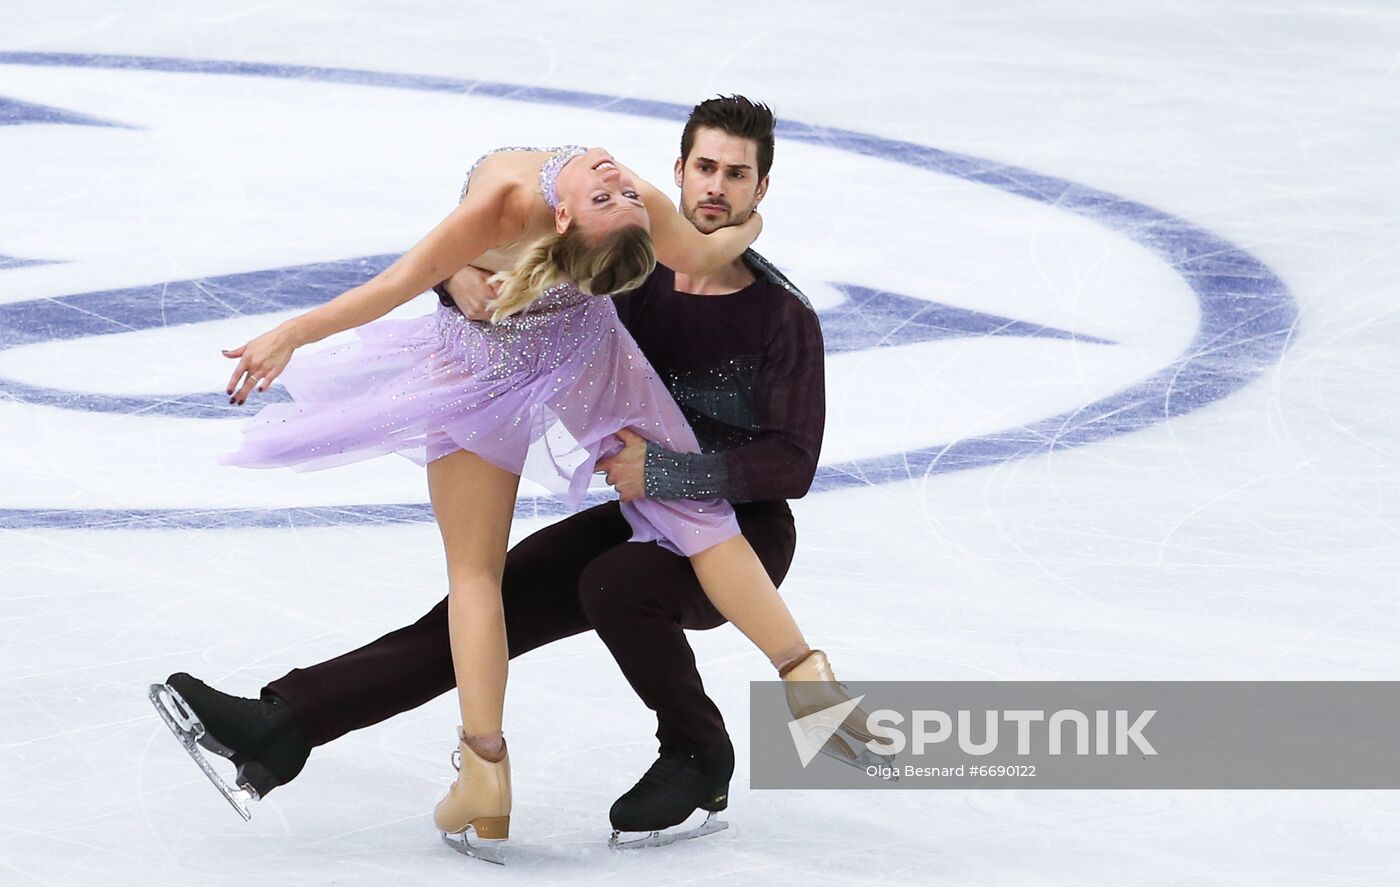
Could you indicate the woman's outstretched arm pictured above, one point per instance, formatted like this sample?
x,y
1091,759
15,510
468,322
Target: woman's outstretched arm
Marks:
x,y
489,216
481,221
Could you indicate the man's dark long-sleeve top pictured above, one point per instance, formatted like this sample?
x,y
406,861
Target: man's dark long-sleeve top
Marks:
x,y
747,370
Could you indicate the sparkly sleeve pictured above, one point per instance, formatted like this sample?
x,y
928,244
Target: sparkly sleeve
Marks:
x,y
790,401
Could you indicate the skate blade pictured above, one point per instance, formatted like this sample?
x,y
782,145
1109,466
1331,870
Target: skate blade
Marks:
x,y
838,749
186,726
662,838
484,849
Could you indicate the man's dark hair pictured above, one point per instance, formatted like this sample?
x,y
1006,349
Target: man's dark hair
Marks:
x,y
737,116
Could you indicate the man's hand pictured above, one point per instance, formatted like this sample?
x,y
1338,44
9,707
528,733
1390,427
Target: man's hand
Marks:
x,y
472,292
626,469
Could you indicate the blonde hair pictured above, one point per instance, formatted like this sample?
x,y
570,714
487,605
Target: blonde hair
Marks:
x,y
615,263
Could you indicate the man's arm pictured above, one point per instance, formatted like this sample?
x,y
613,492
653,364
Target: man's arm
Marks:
x,y
790,415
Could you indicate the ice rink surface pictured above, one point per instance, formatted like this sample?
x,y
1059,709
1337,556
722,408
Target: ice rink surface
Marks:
x,y
1111,305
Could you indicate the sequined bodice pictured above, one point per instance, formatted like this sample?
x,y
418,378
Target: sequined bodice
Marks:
x,y
556,298
549,172
559,296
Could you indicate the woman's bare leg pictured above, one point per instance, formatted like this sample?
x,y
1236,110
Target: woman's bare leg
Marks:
x,y
474,502
736,583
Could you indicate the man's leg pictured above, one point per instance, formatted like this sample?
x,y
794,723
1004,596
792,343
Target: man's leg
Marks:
x,y
640,597
408,667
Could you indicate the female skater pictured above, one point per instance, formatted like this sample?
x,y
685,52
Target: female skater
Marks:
x,y
540,391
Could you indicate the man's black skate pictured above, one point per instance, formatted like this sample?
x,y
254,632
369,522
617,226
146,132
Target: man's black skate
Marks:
x,y
677,785
257,735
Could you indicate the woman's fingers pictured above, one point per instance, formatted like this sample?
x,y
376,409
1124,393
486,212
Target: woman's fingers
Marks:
x,y
256,378
260,361
242,395
237,375
245,378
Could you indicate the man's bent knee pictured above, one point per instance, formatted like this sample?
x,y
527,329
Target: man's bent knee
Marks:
x,y
604,597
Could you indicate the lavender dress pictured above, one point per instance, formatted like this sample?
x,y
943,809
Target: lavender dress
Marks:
x,y
540,394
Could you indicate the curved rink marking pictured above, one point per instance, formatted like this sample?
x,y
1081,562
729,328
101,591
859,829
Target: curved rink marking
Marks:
x,y
1247,312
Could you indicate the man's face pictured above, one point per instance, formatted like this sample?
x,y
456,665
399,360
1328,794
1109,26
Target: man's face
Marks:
x,y
719,180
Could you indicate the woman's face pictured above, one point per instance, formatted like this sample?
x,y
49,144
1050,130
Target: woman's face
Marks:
x,y
598,195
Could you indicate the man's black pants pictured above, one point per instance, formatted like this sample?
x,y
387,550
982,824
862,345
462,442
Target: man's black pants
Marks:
x,y
572,576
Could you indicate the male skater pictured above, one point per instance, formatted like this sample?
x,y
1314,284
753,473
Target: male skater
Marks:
x,y
741,352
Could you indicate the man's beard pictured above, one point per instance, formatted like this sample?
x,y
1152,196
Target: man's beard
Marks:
x,y
708,224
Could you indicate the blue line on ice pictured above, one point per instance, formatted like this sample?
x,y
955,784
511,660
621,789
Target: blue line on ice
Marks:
x,y
1247,312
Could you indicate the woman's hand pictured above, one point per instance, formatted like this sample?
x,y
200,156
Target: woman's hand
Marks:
x,y
259,362
756,221
681,247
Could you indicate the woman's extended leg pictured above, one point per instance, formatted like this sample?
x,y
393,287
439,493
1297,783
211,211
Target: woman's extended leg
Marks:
x,y
474,501
736,583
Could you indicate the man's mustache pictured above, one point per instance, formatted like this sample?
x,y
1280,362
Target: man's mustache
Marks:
x,y
719,203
